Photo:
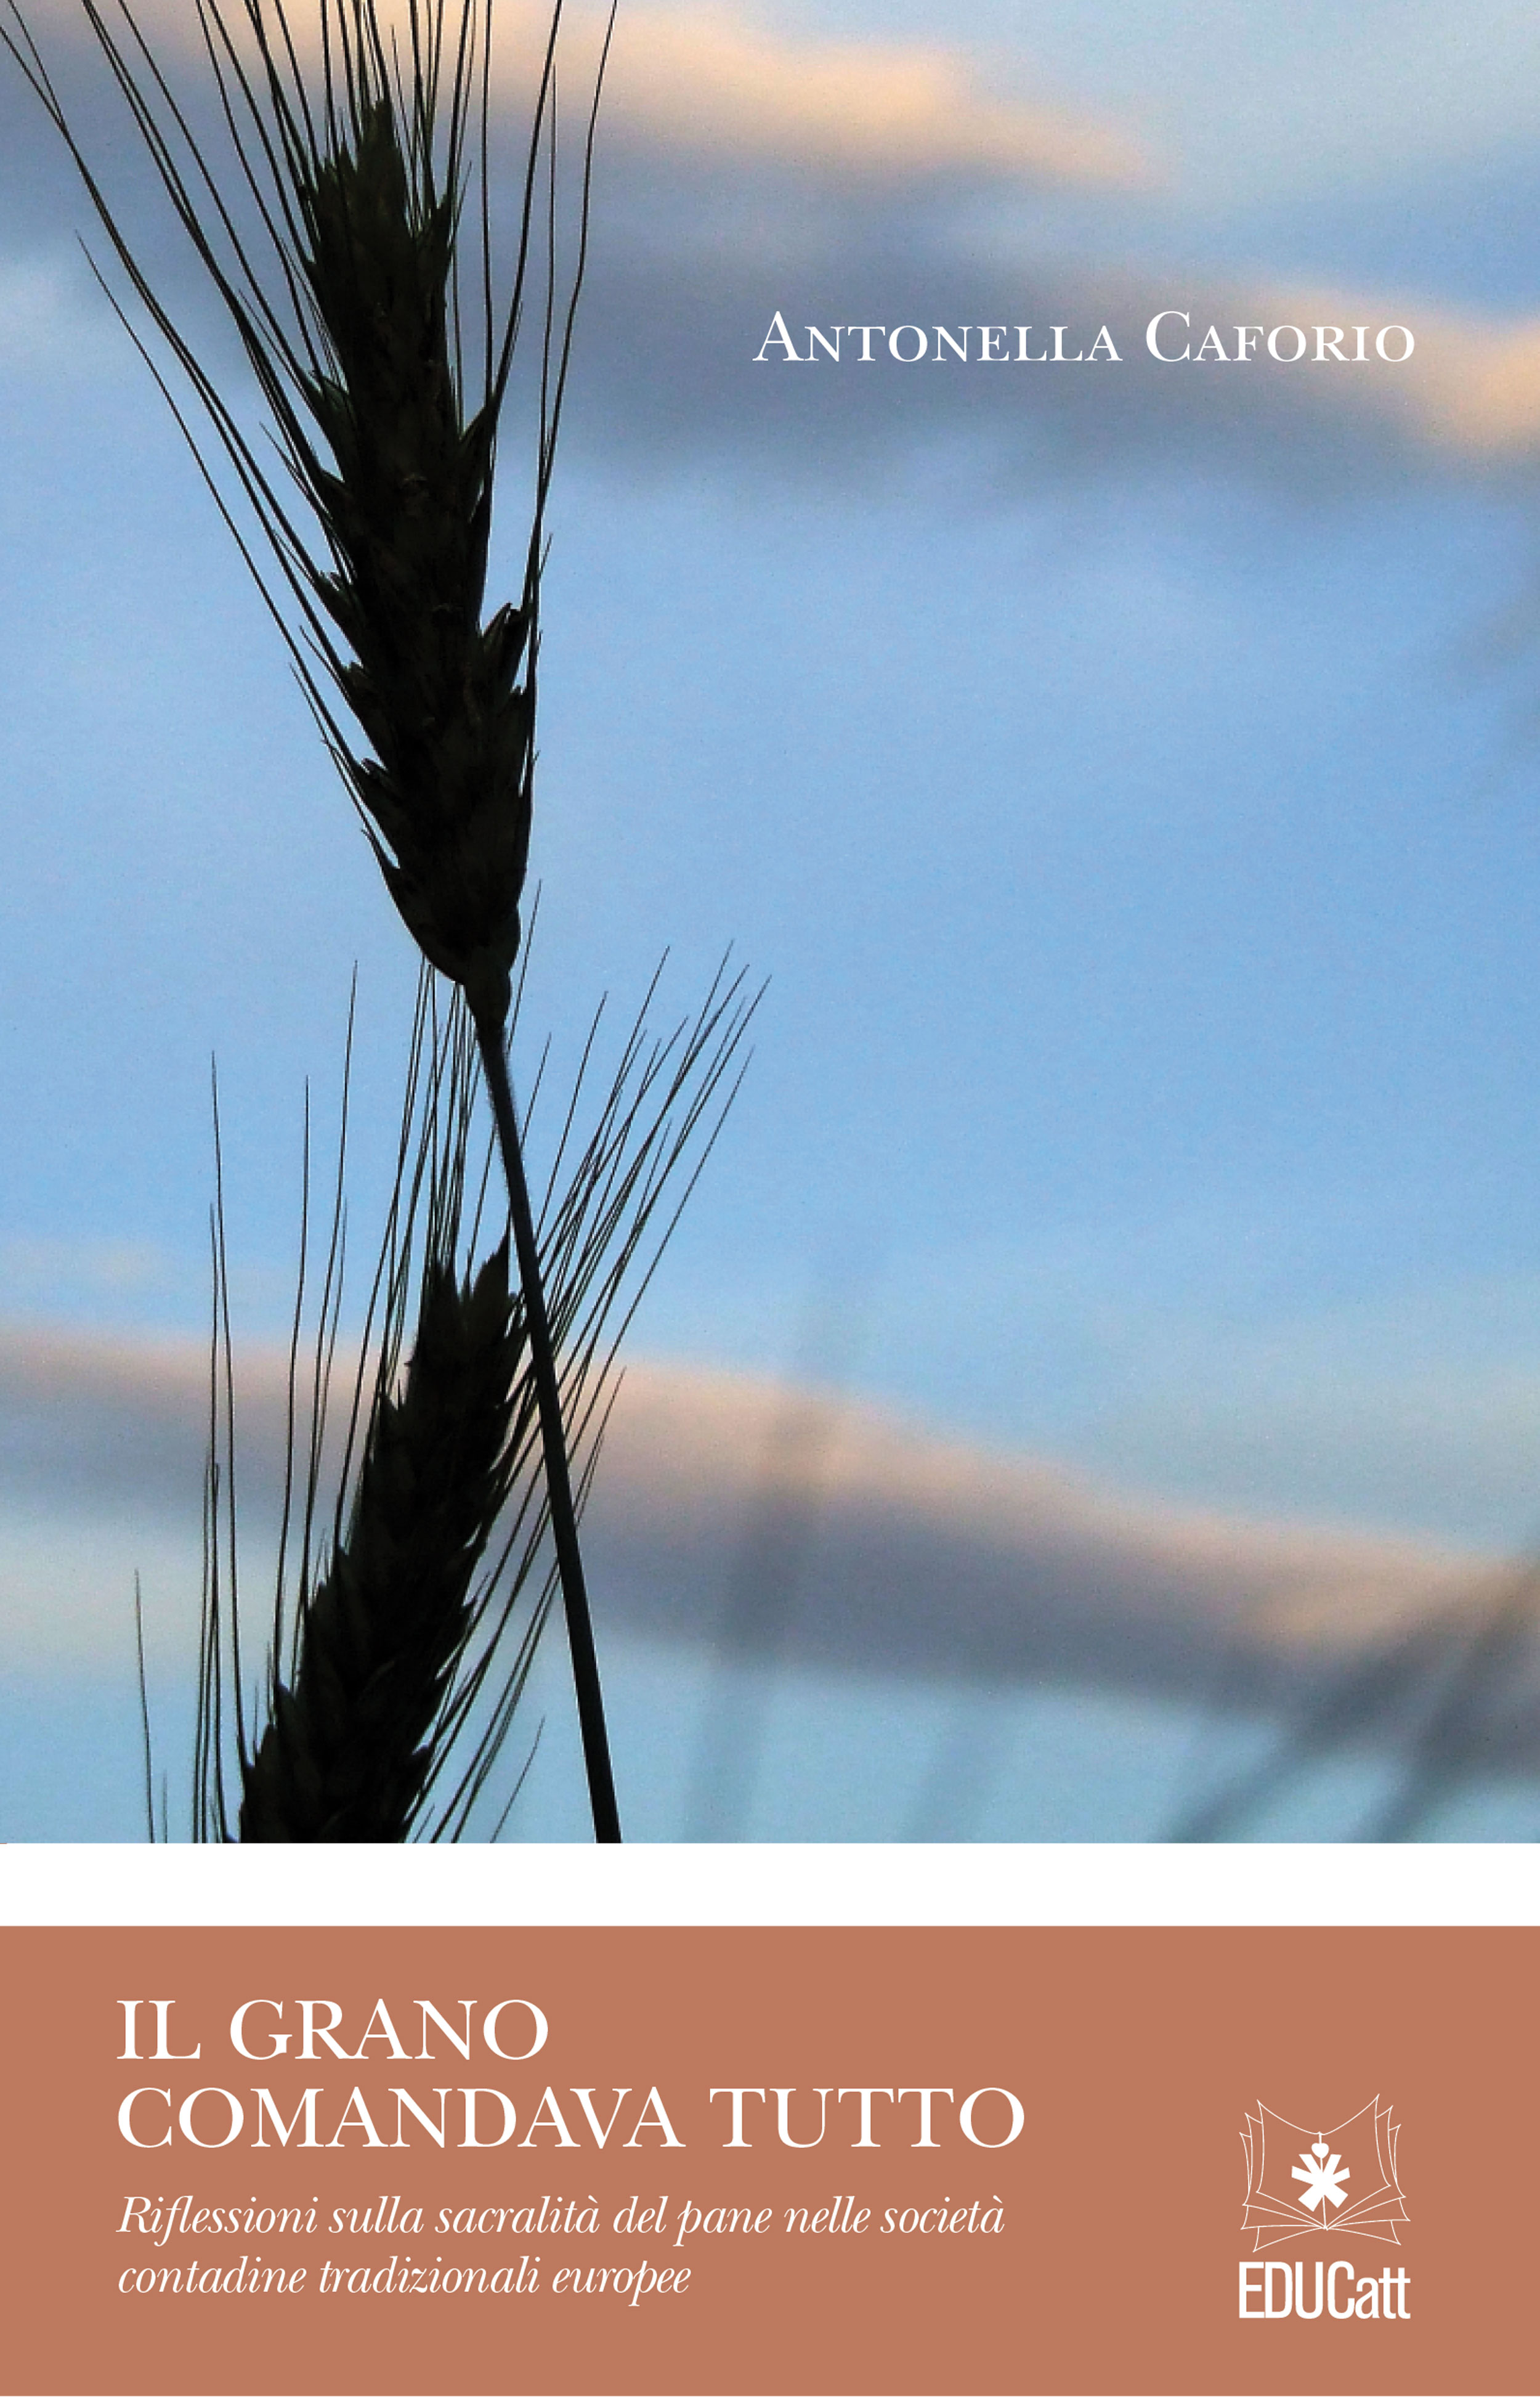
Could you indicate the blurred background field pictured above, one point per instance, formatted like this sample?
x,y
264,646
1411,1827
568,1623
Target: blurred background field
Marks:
x,y
1096,1391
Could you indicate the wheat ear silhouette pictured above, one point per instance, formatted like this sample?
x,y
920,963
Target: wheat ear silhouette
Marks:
x,y
336,238
408,1608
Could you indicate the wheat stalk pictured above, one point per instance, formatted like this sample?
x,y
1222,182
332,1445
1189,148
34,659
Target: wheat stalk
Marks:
x,y
347,297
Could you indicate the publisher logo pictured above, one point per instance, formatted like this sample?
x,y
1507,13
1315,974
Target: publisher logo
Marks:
x,y
1300,2181
1301,2184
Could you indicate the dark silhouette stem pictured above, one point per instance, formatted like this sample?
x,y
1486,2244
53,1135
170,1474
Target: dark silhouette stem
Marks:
x,y
564,1514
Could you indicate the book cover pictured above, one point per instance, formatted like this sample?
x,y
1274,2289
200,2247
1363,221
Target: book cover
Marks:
x,y
1013,910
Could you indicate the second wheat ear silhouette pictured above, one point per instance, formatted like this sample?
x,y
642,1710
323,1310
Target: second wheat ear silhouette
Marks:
x,y
408,1606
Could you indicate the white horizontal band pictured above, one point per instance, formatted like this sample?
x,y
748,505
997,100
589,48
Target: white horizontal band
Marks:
x,y
1006,1885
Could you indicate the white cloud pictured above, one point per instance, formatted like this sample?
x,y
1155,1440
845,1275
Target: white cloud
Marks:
x,y
1469,390
713,83
736,1513
1477,389
755,170
679,339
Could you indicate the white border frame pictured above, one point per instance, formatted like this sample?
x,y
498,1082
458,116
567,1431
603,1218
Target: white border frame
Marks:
x,y
58,1885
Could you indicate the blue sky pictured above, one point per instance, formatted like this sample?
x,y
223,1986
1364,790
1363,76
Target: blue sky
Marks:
x,y
1135,808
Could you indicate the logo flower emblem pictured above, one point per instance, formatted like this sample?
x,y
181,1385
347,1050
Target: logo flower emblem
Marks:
x,y
1323,2174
